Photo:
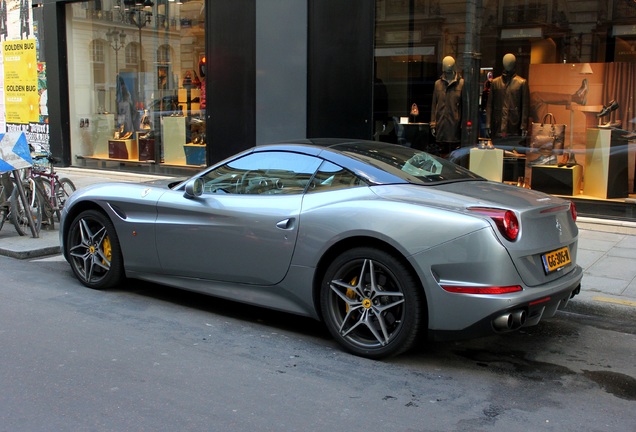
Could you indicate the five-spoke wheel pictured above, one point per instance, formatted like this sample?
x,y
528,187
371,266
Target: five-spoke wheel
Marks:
x,y
93,250
371,303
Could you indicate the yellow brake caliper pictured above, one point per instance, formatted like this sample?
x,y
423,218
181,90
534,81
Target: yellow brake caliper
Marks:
x,y
351,293
108,251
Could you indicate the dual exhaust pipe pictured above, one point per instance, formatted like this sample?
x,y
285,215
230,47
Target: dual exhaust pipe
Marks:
x,y
510,320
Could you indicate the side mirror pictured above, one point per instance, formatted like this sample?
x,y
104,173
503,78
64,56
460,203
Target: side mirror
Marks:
x,y
193,188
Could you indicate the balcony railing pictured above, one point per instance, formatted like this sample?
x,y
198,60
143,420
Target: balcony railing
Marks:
x,y
525,14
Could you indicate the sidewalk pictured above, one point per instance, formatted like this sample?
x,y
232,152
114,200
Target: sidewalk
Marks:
x,y
607,251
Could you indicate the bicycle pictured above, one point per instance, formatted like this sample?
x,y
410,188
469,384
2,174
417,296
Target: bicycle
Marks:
x,y
6,187
13,208
53,189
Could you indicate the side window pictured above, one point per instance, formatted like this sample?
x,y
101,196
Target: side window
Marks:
x,y
263,173
330,177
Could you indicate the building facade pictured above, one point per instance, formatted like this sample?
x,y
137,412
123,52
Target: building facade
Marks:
x,y
170,86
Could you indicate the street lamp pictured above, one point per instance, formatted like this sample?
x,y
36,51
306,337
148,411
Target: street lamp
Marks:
x,y
139,14
117,40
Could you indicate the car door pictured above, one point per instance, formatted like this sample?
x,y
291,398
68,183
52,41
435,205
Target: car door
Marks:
x,y
243,228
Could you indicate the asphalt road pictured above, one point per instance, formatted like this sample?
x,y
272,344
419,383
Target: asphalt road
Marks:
x,y
148,358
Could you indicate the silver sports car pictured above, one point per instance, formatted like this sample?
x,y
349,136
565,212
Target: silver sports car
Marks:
x,y
383,243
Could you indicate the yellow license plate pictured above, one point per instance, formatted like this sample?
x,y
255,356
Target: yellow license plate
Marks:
x,y
556,259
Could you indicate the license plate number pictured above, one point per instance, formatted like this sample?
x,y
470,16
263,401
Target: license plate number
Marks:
x,y
556,259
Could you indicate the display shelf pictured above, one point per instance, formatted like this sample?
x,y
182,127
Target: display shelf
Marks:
x,y
194,154
146,149
557,180
122,149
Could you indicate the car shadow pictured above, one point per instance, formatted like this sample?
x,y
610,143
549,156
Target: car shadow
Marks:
x,y
227,308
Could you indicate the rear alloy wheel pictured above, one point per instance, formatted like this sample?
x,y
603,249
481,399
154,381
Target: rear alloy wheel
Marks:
x,y
93,250
371,303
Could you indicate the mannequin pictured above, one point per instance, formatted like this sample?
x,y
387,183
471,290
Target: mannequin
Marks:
x,y
508,105
446,107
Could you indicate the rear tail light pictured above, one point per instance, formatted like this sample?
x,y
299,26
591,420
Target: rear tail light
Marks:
x,y
573,211
482,289
506,220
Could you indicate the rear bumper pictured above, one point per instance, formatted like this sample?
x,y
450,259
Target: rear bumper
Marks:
x,y
524,313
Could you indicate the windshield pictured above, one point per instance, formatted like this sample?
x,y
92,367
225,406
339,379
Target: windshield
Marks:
x,y
414,166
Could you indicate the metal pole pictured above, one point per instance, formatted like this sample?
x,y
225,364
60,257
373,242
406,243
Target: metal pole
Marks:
x,y
25,203
472,58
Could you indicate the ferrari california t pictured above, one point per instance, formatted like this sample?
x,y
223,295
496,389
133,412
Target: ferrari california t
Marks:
x,y
387,245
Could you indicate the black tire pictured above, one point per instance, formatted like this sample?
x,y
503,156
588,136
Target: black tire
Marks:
x,y
3,216
6,186
93,250
19,215
371,303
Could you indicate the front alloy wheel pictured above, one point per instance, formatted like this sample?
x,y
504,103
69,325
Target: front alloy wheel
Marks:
x,y
371,303
93,250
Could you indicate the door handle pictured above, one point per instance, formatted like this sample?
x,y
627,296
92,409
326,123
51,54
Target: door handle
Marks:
x,y
286,224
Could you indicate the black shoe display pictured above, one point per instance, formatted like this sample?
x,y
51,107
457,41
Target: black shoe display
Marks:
x,y
567,160
611,125
148,135
611,106
544,160
571,160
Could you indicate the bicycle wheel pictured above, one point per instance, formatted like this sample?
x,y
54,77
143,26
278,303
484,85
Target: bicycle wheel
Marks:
x,y
43,187
63,189
3,215
6,186
19,215
4,207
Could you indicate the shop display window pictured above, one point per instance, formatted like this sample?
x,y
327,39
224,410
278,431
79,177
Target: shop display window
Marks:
x,y
498,70
137,74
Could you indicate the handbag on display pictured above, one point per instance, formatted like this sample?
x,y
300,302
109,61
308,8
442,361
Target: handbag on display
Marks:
x,y
547,137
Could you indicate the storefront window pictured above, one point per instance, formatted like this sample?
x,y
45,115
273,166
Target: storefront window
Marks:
x,y
454,79
137,89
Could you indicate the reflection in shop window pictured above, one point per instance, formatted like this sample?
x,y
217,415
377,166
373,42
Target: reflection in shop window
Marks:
x,y
131,105
132,56
163,54
99,72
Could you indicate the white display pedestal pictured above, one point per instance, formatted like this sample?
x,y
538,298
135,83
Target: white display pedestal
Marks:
x,y
605,173
487,163
104,127
173,134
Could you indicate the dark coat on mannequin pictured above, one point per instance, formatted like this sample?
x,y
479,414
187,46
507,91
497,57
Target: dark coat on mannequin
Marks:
x,y
508,105
446,107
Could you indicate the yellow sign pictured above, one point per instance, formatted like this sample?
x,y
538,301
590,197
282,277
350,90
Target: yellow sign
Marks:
x,y
20,81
